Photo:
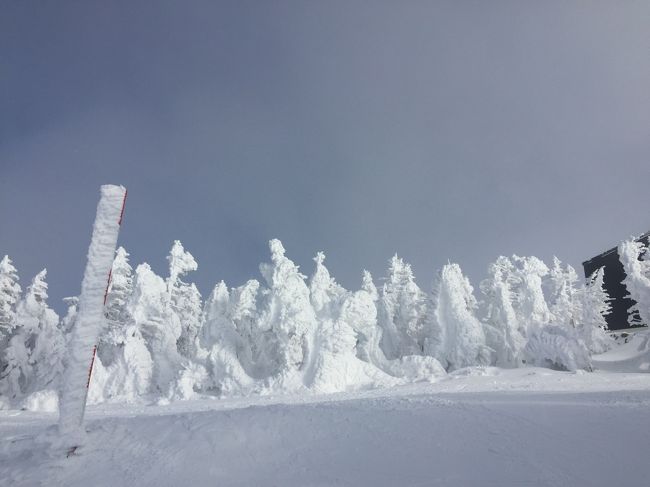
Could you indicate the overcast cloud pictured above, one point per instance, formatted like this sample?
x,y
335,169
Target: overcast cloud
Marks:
x,y
441,130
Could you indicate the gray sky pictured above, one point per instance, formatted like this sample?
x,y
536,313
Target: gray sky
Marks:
x,y
441,130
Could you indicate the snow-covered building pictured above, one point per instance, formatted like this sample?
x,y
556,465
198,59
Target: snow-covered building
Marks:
x,y
614,284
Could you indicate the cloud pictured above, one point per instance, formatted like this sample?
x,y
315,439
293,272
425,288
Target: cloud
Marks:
x,y
441,131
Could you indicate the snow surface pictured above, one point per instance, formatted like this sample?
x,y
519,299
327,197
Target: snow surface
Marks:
x,y
631,355
478,426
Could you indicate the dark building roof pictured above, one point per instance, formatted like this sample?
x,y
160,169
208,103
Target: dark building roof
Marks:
x,y
613,282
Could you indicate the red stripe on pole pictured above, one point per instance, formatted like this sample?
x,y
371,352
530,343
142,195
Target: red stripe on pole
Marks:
x,y
108,284
92,362
123,205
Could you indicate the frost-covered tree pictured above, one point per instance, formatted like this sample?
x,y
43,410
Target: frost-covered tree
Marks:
x,y
359,310
455,304
184,299
337,365
187,306
216,315
68,321
296,334
223,343
557,347
9,297
124,367
636,262
288,313
325,293
116,309
244,314
346,346
34,355
149,306
595,306
129,375
565,299
49,346
348,353
120,290
180,263
402,312
531,307
551,340
503,333
359,314
18,372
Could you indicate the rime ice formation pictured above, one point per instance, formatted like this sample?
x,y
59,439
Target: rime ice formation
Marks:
x,y
90,315
595,306
33,350
454,310
290,334
504,333
636,262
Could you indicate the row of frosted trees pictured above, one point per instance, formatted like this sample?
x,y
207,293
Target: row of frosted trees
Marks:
x,y
294,334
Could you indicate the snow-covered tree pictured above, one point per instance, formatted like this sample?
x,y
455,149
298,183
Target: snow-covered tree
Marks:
x,y
149,306
359,310
120,290
9,297
503,333
295,334
34,355
116,309
216,315
288,313
124,367
49,346
186,303
348,353
565,299
180,263
244,314
223,343
530,304
595,306
18,372
455,304
184,299
557,347
636,262
325,293
402,312
552,340
67,322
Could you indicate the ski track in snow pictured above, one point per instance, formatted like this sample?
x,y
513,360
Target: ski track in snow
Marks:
x,y
524,427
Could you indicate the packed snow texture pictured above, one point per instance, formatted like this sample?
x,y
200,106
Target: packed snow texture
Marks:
x,y
90,309
290,334
476,427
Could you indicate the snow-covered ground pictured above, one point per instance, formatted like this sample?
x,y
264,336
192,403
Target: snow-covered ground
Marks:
x,y
476,427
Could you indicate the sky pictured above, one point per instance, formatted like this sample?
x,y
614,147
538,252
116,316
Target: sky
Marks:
x,y
441,130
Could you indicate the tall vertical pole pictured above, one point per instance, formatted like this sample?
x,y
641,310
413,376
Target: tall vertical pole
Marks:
x,y
90,317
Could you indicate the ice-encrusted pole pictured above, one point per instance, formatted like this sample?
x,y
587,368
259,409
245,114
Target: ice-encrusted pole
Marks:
x,y
90,316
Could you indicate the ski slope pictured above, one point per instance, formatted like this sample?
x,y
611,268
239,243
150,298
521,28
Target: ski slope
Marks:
x,y
481,426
